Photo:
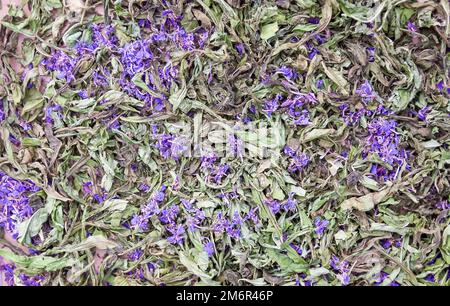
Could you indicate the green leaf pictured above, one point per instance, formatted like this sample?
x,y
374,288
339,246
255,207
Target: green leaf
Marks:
x,y
38,263
445,248
94,241
287,265
193,267
298,191
17,29
431,144
368,201
316,133
305,28
269,30
177,96
31,227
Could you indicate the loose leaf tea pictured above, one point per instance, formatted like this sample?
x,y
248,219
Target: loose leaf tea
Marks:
x,y
225,143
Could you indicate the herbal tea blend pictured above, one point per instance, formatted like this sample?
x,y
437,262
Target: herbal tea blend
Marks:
x,y
223,142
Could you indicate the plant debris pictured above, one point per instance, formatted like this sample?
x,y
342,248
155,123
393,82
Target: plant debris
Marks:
x,y
225,143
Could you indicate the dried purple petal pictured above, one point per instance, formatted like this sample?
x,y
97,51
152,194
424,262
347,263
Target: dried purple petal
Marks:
x,y
320,225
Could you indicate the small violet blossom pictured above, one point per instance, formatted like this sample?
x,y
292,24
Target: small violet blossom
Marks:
x,y
320,225
15,204
366,92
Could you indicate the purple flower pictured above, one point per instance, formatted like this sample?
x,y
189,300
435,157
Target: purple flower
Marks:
x,y
219,172
100,198
334,262
140,221
440,86
14,140
321,39
2,111
195,219
171,146
201,37
164,144
365,91
160,194
344,278
83,94
208,160
136,56
209,248
234,228
302,276
99,77
52,112
342,267
298,162
144,187
272,105
177,231
220,223
288,73
303,118
235,145
33,251
187,203
289,151
290,204
176,183
158,37
319,84
296,248
8,272
87,188
15,205
381,277
240,48
386,243
170,214
411,26
351,117
443,205
137,273
295,107
32,281
135,255
371,53
381,110
430,278
184,40
384,141
274,205
422,113
103,35
314,20
168,75
144,23
228,196
82,48
62,64
252,215
320,225
313,53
